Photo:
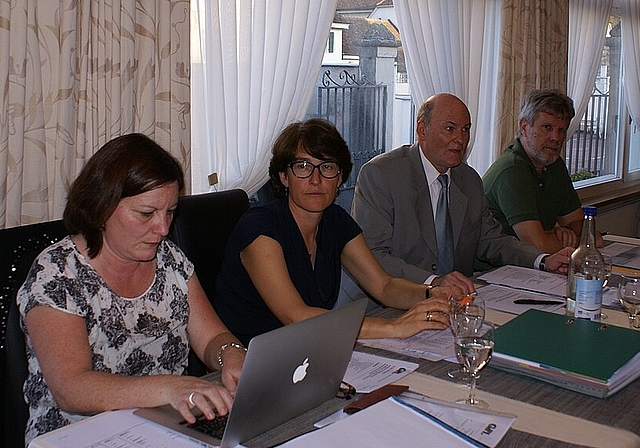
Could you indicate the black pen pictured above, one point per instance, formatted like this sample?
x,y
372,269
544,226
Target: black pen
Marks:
x,y
537,302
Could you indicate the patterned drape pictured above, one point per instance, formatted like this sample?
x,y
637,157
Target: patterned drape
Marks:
x,y
76,73
533,54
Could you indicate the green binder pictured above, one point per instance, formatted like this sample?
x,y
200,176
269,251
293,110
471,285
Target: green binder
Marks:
x,y
578,354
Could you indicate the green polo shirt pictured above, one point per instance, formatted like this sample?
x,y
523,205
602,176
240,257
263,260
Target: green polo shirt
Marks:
x,y
516,192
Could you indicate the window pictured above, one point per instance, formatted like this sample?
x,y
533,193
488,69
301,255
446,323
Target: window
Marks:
x,y
603,156
633,165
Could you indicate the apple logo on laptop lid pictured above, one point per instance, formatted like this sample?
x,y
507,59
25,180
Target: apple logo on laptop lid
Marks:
x,y
301,371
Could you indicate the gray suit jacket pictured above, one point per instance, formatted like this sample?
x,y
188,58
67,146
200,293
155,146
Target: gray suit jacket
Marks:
x,y
393,206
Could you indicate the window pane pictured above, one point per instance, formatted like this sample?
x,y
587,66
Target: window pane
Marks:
x,y
634,148
592,151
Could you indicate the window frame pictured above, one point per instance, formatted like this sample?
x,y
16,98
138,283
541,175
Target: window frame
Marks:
x,y
624,183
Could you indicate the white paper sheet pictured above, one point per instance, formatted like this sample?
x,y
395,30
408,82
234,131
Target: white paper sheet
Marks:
x,y
433,345
511,282
393,422
486,427
385,424
625,255
501,298
528,280
115,429
369,372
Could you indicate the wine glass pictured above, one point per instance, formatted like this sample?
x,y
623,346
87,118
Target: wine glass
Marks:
x,y
466,312
474,347
629,295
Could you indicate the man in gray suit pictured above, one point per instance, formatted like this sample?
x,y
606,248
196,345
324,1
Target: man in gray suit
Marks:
x,y
395,199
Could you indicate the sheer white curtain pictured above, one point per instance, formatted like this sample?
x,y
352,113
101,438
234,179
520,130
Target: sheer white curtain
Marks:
x,y
588,21
254,66
631,55
452,46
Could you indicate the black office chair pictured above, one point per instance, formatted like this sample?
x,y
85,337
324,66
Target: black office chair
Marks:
x,y
201,227
19,246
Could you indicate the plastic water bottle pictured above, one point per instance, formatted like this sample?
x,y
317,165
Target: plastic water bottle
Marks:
x,y
586,273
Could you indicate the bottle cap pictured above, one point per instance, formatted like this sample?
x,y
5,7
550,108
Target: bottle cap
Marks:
x,y
590,210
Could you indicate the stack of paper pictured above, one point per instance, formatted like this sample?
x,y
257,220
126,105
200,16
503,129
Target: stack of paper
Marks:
x,y
410,422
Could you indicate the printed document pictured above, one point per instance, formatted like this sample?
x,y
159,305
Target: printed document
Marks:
x,y
433,345
121,429
501,298
625,255
405,422
526,283
370,372
486,427
528,279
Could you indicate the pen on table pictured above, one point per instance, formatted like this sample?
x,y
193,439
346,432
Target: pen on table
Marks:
x,y
538,302
604,233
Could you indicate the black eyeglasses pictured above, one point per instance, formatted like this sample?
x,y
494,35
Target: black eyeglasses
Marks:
x,y
346,391
303,169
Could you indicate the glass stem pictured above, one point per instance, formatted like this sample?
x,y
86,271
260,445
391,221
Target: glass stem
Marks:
x,y
472,390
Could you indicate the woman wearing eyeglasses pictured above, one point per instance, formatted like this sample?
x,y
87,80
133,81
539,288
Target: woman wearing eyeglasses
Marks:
x,y
283,261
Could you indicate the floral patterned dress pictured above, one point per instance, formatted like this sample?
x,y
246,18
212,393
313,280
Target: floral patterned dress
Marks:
x,y
137,336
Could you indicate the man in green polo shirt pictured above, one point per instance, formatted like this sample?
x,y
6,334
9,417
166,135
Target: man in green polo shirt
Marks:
x,y
528,187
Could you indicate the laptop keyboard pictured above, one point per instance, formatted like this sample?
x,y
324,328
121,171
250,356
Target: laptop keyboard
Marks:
x,y
213,428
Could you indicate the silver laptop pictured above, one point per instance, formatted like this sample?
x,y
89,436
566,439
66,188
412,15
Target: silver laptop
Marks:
x,y
286,372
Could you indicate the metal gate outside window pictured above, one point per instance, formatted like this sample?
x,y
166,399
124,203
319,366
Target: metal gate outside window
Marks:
x,y
358,110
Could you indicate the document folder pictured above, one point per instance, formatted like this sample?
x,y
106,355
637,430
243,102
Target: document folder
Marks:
x,y
588,357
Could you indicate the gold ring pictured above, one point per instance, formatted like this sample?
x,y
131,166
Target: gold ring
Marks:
x,y
429,316
191,399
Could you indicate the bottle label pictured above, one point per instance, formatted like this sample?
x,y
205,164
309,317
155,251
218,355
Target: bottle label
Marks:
x,y
588,295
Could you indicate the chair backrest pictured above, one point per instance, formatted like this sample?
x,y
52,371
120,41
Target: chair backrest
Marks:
x,y
201,227
19,246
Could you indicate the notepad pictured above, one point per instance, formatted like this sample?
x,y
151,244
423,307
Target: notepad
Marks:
x,y
588,357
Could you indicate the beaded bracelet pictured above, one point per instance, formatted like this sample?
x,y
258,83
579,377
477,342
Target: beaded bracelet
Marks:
x,y
224,347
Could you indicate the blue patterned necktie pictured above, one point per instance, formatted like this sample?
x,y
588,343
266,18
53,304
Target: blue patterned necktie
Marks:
x,y
444,231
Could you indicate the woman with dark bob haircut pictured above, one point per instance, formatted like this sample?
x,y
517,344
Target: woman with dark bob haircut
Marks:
x,y
319,138
283,261
110,311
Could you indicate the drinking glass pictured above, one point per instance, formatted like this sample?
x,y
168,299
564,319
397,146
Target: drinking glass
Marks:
x,y
465,313
474,347
608,266
629,295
